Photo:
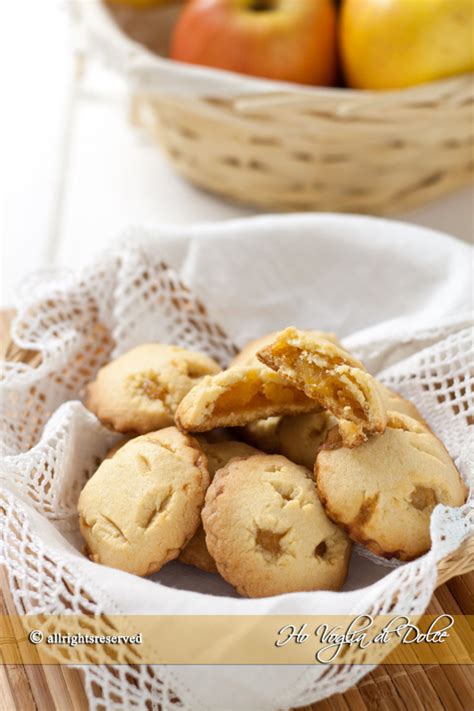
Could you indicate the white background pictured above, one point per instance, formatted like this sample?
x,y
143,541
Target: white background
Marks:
x,y
76,174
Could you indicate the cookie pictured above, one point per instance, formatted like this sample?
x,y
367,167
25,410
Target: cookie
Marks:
x,y
219,435
383,492
264,434
196,553
301,436
218,455
140,391
142,506
268,532
248,354
333,378
396,403
238,396
112,452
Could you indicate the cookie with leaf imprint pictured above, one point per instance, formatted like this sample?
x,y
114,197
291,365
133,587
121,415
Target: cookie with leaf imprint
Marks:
x,y
143,505
268,532
139,391
384,491
218,455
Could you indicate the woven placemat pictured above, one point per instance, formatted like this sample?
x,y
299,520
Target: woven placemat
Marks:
x,y
389,688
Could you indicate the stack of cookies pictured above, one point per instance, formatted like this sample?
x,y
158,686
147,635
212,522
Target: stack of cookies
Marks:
x,y
263,472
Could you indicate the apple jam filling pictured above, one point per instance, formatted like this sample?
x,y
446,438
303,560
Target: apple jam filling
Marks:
x,y
340,393
254,393
148,385
290,354
330,549
268,543
423,497
321,550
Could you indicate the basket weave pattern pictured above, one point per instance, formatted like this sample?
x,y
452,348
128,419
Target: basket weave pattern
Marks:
x,y
281,146
344,151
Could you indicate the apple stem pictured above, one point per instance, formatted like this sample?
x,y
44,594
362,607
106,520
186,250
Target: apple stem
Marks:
x,y
262,5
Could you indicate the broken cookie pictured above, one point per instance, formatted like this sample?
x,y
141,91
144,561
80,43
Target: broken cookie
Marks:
x,y
248,354
238,396
333,378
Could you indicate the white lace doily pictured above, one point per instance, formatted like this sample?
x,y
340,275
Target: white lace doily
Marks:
x,y
404,294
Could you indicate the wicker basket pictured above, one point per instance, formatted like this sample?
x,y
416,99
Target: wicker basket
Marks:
x,y
287,147
146,275
457,563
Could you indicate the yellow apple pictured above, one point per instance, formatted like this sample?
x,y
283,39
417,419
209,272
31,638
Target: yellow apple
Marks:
x,y
389,44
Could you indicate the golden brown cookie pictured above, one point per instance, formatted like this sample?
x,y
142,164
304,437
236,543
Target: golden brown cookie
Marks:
x,y
218,455
219,435
333,378
238,396
142,506
267,530
384,491
301,436
196,553
396,403
140,391
116,447
263,434
248,354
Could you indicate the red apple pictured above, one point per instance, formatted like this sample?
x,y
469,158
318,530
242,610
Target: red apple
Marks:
x,y
289,40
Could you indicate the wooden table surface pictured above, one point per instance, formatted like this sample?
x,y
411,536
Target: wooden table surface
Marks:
x,y
388,688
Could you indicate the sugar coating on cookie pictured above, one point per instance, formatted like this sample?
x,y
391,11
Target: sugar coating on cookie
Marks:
x,y
248,354
238,396
140,390
333,378
383,492
268,532
143,505
218,455
301,436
